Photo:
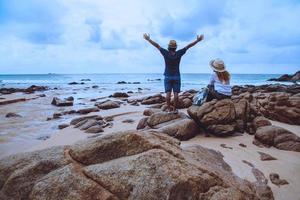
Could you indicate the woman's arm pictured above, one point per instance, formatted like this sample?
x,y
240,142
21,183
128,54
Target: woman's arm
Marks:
x,y
147,37
199,38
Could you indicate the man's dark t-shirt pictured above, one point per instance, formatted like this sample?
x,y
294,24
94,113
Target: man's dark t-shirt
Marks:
x,y
172,61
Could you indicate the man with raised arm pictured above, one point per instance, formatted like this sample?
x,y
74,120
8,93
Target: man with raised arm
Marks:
x,y
172,73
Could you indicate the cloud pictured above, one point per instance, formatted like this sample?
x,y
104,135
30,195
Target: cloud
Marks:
x,y
41,36
186,27
34,20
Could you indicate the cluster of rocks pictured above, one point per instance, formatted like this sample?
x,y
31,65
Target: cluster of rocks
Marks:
x,y
286,77
276,102
62,102
228,116
91,124
28,90
178,125
123,165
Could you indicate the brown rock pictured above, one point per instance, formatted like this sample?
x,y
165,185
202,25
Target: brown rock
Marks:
x,y
175,125
19,173
265,156
11,114
108,105
119,95
275,179
5,102
58,102
260,121
130,121
225,146
142,123
94,129
62,126
124,165
89,123
151,111
242,145
278,137
79,119
87,110
183,129
161,117
155,99
217,117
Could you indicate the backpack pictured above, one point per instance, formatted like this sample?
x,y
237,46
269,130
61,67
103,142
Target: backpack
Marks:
x,y
200,97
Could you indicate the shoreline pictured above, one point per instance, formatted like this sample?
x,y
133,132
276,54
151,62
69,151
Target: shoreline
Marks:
x,y
127,117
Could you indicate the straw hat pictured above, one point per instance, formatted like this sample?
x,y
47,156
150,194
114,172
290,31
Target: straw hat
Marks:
x,y
172,44
217,65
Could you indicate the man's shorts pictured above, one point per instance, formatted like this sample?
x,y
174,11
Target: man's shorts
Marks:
x,y
172,83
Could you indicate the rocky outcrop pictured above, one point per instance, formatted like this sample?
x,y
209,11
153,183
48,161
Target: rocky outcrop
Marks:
x,y
109,104
278,137
268,88
286,77
276,102
124,165
175,125
62,102
224,117
28,90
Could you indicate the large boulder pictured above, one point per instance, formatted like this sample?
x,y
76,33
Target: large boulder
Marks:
x,y
19,173
222,117
124,165
175,125
278,137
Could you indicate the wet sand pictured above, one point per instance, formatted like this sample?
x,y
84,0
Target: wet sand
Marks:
x,y
20,134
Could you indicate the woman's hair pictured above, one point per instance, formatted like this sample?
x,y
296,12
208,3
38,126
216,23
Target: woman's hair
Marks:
x,y
224,77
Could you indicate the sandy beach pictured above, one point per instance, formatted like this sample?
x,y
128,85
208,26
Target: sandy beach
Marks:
x,y
32,131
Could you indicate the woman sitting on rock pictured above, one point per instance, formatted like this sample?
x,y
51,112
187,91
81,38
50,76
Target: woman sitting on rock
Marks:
x,y
219,85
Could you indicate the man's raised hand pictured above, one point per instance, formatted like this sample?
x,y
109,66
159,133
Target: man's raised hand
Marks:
x,y
200,37
146,36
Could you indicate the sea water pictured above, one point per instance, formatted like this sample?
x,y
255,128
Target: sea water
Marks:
x,y
108,82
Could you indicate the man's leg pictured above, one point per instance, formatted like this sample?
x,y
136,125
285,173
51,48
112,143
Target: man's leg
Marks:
x,y
175,101
168,89
176,90
168,99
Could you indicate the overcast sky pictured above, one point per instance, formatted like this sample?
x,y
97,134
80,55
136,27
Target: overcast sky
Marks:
x,y
105,36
